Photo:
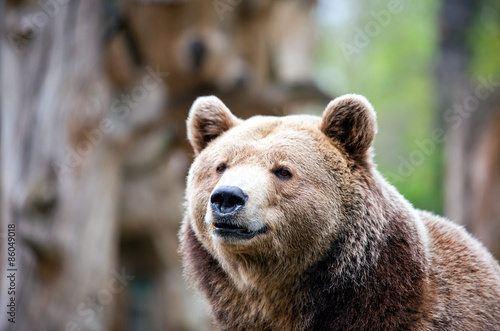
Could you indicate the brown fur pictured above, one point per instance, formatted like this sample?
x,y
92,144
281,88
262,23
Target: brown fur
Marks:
x,y
344,250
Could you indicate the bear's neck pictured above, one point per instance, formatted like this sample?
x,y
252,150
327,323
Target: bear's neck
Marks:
x,y
234,307
366,274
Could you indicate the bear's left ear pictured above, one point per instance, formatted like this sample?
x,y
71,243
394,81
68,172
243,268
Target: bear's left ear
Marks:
x,y
208,119
350,120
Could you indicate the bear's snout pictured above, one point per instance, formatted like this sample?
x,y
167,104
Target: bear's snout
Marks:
x,y
227,200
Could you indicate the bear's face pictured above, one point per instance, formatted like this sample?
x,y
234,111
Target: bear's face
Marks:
x,y
270,189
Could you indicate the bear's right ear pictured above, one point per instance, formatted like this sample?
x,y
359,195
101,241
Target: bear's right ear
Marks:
x,y
208,119
351,121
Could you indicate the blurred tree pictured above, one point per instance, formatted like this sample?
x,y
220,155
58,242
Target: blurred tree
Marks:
x,y
470,114
59,176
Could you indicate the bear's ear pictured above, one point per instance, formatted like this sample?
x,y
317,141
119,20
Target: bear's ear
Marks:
x,y
208,119
350,120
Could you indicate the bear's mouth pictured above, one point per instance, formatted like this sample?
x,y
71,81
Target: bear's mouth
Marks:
x,y
229,230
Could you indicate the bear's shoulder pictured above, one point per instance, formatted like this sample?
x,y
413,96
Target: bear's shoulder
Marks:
x,y
465,275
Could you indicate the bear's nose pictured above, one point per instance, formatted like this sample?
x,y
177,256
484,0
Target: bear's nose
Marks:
x,y
227,200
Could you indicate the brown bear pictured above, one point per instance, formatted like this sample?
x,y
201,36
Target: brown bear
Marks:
x,y
289,226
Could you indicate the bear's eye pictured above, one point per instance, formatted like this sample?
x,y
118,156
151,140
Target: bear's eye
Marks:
x,y
282,173
221,168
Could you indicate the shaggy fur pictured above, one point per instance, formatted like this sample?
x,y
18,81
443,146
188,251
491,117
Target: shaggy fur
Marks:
x,y
344,250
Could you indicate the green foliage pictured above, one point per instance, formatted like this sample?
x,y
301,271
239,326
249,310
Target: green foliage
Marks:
x,y
485,41
394,69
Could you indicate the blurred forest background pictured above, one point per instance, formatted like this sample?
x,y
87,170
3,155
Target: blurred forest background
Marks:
x,y
94,97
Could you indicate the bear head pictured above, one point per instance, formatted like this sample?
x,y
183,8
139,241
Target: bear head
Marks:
x,y
273,192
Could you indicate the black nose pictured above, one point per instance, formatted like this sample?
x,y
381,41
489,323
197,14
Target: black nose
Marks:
x,y
227,200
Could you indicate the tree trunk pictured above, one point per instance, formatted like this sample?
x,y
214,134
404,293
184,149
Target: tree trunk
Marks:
x,y
470,114
59,174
